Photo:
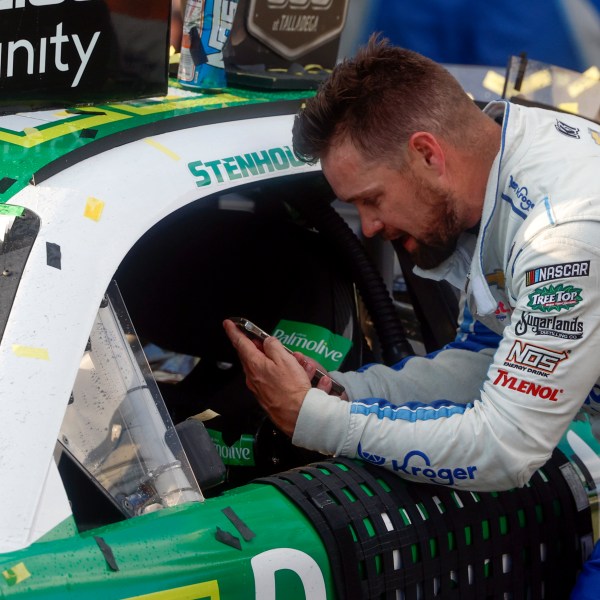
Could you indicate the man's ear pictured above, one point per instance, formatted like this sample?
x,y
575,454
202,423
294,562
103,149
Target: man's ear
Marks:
x,y
427,155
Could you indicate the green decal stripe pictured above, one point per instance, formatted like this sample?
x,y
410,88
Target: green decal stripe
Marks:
x,y
10,210
27,151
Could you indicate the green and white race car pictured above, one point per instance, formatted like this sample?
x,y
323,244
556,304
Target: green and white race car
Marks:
x,y
134,463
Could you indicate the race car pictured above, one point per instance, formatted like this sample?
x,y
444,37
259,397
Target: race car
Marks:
x,y
134,462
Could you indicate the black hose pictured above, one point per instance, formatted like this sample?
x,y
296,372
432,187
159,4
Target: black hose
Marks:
x,y
373,291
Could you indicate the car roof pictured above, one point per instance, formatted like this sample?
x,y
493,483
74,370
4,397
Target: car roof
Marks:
x,y
37,144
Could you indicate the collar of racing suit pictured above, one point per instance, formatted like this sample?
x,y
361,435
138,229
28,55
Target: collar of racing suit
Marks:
x,y
467,261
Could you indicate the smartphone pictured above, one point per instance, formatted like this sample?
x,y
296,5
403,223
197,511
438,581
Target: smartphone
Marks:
x,y
256,333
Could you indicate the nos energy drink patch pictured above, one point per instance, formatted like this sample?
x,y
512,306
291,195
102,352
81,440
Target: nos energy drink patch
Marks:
x,y
327,348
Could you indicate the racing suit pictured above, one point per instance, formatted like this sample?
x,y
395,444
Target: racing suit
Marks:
x,y
488,409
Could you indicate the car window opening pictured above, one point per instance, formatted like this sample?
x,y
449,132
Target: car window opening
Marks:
x,y
248,253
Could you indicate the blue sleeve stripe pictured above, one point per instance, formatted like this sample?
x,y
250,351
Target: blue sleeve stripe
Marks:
x,y
473,335
549,211
411,411
476,343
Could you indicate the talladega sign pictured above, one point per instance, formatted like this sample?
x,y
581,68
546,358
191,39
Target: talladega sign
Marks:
x,y
60,52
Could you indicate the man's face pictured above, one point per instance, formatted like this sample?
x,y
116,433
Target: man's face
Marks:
x,y
398,205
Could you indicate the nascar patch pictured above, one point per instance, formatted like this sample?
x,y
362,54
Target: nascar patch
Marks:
x,y
559,271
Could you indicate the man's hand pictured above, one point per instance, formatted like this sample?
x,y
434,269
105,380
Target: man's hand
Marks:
x,y
274,375
310,366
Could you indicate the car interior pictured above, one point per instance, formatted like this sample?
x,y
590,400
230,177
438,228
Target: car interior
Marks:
x,y
266,251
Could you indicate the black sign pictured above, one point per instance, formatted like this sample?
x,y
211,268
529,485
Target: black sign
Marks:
x,y
64,52
294,28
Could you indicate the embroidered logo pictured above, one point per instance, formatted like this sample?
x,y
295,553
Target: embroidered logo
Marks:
x,y
550,272
502,311
534,359
567,130
526,387
566,329
418,464
521,192
554,297
372,458
496,278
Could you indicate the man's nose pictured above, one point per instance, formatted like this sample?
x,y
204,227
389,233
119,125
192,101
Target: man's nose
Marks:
x,y
370,226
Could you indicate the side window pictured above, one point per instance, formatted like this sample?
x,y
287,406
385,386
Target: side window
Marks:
x,y
116,427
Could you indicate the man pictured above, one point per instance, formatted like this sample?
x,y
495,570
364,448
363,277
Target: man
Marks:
x,y
504,204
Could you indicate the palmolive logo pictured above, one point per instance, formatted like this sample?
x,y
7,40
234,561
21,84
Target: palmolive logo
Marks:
x,y
526,387
15,4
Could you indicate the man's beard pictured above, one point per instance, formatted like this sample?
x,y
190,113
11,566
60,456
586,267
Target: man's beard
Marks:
x,y
439,241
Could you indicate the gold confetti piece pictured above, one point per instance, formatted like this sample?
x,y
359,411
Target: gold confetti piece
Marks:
x,y
588,80
162,149
17,574
29,352
572,107
536,81
33,134
595,135
494,82
93,209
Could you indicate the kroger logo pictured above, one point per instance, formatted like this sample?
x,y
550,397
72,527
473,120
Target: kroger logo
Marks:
x,y
521,193
372,458
418,464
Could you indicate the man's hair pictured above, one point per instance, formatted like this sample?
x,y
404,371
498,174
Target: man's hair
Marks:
x,y
377,100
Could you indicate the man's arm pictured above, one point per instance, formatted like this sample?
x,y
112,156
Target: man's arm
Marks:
x,y
510,413
276,377
462,418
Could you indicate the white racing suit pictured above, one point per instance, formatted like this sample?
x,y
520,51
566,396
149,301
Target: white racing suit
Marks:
x,y
487,410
